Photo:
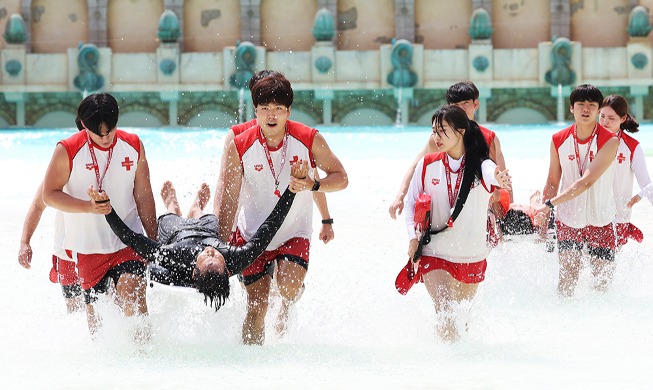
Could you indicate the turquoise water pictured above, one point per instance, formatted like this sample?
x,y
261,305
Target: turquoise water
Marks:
x,y
351,329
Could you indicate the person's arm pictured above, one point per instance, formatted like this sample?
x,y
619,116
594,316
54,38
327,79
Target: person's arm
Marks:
x,y
226,204
30,223
604,158
237,258
643,179
319,198
217,199
336,177
397,205
144,197
56,178
541,212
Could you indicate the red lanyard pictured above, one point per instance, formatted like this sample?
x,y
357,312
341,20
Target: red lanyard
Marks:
x,y
283,161
99,178
581,167
453,193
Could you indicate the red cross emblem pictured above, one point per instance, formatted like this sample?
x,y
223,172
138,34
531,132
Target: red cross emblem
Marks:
x,y
435,182
591,155
258,167
89,166
572,157
294,160
128,164
621,158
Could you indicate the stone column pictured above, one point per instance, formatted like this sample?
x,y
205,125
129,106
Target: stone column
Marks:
x,y
97,19
26,12
638,92
250,26
177,6
560,19
19,98
485,4
405,20
326,95
484,94
172,97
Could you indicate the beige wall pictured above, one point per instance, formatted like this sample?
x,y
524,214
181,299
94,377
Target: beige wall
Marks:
x,y
132,25
210,25
7,8
520,24
443,24
287,24
599,23
375,24
58,25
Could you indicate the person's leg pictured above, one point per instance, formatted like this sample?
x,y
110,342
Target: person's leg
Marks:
x,y
201,199
130,291
570,265
603,273
257,307
290,281
441,287
169,196
93,319
73,298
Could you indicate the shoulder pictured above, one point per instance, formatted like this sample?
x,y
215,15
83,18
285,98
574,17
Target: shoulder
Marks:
x,y
433,157
604,135
488,134
301,132
241,127
559,137
74,143
630,142
246,139
130,138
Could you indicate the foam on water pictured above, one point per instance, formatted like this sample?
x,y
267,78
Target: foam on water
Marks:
x,y
351,328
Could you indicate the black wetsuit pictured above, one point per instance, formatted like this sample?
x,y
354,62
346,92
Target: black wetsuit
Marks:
x,y
183,239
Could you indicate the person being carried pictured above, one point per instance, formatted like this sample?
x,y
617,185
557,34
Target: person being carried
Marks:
x,y
188,252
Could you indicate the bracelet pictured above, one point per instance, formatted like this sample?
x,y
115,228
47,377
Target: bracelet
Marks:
x,y
102,201
548,203
327,221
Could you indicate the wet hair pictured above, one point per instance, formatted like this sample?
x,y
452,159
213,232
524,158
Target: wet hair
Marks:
x,y
261,74
214,286
516,222
586,93
272,89
620,106
459,92
476,149
95,110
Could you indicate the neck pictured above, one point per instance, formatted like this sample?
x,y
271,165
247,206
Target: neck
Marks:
x,y
273,139
584,131
456,154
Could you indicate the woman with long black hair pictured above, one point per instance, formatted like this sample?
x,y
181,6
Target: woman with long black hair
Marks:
x,y
460,179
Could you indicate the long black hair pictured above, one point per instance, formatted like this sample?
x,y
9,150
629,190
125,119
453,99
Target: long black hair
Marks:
x,y
476,149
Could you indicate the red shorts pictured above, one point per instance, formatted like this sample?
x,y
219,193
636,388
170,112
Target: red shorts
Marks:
x,y
593,236
63,271
626,231
463,272
295,250
92,267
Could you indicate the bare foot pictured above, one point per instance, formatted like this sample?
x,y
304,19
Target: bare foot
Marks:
x,y
282,318
201,200
169,195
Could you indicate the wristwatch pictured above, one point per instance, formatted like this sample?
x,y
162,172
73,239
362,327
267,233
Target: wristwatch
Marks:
x,y
316,186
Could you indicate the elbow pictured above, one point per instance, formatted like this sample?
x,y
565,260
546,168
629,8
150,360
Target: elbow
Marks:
x,y
345,182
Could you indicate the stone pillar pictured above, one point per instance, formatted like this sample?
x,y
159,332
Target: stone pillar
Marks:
x,y
26,12
481,64
172,97
639,58
561,93
323,59
485,4
638,92
560,19
405,20
12,60
403,97
167,60
250,26
97,18
326,95
177,6
19,98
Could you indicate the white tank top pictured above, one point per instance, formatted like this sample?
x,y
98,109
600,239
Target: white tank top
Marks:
x,y
466,241
258,188
595,206
90,233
